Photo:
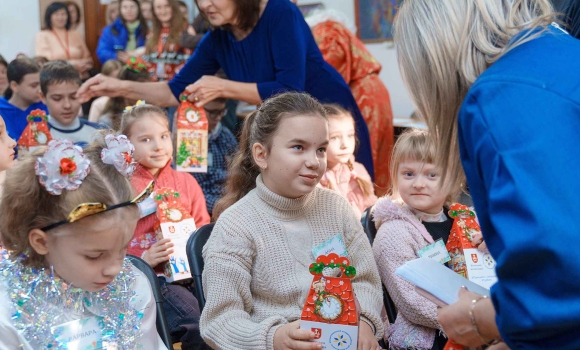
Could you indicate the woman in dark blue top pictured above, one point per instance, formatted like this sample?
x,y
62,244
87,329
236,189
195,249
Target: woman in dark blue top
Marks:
x,y
265,47
498,82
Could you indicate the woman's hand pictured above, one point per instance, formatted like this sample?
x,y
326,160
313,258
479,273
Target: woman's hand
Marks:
x,y
159,252
99,85
456,322
206,89
290,336
366,337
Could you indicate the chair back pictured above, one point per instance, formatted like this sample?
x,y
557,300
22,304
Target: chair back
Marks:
x,y
195,245
161,321
368,224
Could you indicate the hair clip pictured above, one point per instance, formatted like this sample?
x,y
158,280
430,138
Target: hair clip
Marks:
x,y
62,167
130,108
119,153
136,65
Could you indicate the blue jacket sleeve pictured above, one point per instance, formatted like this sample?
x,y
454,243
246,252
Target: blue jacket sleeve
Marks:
x,y
520,151
289,49
106,47
202,62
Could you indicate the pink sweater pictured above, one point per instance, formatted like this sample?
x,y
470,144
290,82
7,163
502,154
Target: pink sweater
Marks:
x,y
191,197
400,235
343,180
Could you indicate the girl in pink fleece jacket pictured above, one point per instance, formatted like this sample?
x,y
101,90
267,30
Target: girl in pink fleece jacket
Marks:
x,y
413,218
343,174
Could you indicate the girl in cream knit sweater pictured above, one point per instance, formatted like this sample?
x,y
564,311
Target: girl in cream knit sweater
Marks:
x,y
256,275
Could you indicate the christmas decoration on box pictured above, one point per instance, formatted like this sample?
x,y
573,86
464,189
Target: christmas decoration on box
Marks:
x,y
192,134
330,310
173,222
35,134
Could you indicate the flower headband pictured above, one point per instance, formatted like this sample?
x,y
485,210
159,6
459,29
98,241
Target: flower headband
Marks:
x,y
119,153
62,167
136,65
138,103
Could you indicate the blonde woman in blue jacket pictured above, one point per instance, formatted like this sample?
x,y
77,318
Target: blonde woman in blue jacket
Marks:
x,y
497,81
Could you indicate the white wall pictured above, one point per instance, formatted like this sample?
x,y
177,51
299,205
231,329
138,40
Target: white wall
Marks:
x,y
385,53
19,23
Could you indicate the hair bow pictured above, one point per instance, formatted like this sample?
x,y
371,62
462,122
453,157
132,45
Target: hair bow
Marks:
x,y
136,65
138,103
119,153
63,166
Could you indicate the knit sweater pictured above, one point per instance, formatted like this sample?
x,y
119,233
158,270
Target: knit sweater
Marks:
x,y
190,194
256,275
399,236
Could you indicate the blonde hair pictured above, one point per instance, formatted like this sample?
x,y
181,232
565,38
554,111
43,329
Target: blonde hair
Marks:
x,y
416,146
110,66
443,46
137,113
26,205
336,112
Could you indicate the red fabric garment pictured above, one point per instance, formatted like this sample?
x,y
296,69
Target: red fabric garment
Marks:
x,y
349,56
172,56
190,194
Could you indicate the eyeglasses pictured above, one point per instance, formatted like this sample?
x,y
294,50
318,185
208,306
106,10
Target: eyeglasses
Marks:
x,y
84,210
215,114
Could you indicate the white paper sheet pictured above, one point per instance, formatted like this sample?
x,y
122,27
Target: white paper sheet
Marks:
x,y
436,279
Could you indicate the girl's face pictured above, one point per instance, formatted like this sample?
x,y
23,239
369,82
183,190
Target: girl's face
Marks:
x,y
74,15
152,140
7,145
147,11
89,254
418,185
58,19
129,11
218,12
113,10
296,160
342,140
163,11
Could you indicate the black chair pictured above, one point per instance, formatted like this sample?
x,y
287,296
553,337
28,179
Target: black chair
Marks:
x,y
161,322
195,245
368,224
371,231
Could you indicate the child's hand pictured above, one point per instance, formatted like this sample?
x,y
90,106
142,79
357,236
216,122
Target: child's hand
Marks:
x,y
159,252
290,336
366,337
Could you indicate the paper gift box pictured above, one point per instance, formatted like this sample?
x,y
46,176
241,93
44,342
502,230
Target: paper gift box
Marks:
x,y
330,310
466,259
173,222
191,138
35,134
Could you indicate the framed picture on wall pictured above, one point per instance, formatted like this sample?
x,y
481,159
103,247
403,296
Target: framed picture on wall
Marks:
x,y
374,19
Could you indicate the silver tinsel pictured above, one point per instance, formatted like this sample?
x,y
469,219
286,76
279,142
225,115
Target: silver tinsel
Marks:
x,y
40,301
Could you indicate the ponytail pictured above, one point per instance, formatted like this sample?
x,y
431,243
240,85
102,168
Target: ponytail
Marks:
x,y
242,171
